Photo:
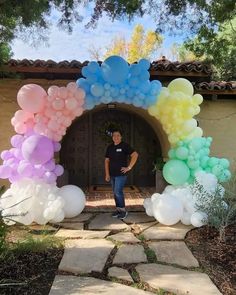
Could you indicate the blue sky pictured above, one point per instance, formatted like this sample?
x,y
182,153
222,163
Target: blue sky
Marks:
x,y
64,46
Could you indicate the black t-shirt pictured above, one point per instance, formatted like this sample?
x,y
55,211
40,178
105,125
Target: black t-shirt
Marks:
x,y
118,156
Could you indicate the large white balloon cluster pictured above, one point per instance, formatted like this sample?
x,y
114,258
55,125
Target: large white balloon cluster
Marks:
x,y
178,203
28,201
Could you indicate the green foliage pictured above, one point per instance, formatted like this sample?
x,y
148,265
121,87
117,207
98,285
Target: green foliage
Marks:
x,y
218,48
37,244
220,205
151,256
158,164
3,228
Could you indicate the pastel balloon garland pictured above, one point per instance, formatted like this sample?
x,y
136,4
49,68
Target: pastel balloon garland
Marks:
x,y
44,117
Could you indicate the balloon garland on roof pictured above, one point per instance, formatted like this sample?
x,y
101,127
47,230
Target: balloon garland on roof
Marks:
x,y
44,117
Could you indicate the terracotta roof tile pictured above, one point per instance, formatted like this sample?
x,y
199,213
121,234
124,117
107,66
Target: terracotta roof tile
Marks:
x,y
159,65
215,85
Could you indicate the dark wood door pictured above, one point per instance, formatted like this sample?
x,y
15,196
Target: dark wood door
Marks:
x,y
84,146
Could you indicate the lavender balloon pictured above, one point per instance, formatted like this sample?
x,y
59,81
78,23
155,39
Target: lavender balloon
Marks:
x,y
37,149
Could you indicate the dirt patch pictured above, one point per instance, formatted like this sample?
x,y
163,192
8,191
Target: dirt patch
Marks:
x,y
29,273
218,259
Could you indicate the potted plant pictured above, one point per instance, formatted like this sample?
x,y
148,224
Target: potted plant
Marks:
x,y
160,181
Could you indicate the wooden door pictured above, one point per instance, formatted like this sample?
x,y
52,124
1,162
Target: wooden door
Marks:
x,y
84,146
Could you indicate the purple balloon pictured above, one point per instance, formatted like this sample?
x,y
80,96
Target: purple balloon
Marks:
x,y
25,169
6,155
5,171
17,140
59,170
50,165
18,154
50,177
39,171
37,149
57,146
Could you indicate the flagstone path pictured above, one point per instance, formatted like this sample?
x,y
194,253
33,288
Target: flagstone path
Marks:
x,y
104,255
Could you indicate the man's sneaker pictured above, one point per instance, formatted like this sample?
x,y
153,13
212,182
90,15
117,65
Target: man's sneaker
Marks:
x,y
122,215
115,214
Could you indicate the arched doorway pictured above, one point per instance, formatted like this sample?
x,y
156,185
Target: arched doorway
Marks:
x,y
84,146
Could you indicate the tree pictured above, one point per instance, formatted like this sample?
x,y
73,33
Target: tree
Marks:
x,y
141,45
31,17
218,47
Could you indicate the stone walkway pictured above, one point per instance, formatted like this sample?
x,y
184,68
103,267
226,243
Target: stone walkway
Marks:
x,y
104,255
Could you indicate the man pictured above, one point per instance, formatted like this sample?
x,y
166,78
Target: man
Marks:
x,y
116,169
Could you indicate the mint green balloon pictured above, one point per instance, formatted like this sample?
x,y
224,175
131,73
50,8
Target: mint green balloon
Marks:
x,y
171,154
193,164
213,161
197,143
176,172
224,163
181,153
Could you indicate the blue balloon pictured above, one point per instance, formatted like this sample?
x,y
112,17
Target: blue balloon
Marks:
x,y
82,83
133,81
92,78
144,64
115,70
135,69
85,72
93,67
97,89
144,76
145,86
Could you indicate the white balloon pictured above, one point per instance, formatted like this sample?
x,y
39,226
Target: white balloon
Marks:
x,y
186,218
167,210
198,218
74,200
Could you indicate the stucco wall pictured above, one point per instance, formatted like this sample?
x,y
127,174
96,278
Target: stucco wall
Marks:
x,y
217,119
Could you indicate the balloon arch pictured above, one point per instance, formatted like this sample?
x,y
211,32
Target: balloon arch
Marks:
x,y
44,117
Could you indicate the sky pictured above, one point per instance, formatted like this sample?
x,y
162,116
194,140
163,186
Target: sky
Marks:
x,y
64,46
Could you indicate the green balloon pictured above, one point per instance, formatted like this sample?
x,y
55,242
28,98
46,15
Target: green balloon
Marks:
x,y
217,170
197,143
193,164
176,172
171,154
213,161
181,153
224,163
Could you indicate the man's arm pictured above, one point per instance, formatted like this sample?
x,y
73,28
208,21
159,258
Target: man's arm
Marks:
x,y
133,160
107,173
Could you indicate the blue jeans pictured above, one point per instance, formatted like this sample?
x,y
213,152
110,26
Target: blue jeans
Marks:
x,y
118,183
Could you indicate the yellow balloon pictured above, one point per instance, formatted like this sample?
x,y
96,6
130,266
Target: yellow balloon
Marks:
x,y
152,111
182,85
197,98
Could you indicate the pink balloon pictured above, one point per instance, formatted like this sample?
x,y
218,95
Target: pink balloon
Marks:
x,y
71,103
5,171
79,94
37,149
23,115
53,125
63,92
20,128
53,91
31,98
72,87
58,104
78,112
13,121
40,128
